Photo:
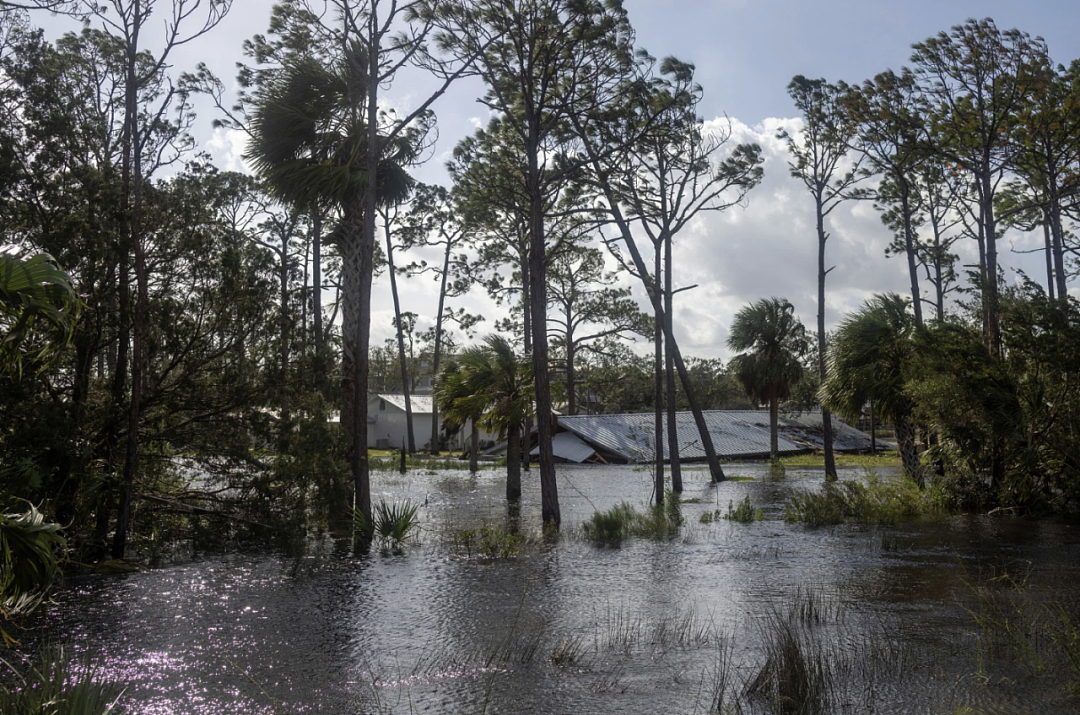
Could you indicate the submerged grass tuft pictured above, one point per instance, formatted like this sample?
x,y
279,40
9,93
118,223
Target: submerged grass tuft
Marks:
x,y
872,501
745,513
489,542
796,677
660,521
1041,638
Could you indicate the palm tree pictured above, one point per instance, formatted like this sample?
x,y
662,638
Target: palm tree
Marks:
x,y
309,144
771,341
493,386
867,362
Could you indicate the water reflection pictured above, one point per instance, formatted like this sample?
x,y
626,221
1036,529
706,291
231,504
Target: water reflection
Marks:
x,y
566,626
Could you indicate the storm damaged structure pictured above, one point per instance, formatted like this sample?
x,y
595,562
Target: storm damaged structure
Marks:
x,y
736,434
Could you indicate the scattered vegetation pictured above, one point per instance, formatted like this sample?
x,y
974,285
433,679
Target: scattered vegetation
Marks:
x,y
798,675
872,501
745,513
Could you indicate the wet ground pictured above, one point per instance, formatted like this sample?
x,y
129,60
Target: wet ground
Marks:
x,y
565,626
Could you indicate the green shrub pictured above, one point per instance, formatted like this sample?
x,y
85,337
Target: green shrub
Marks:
x,y
875,501
497,542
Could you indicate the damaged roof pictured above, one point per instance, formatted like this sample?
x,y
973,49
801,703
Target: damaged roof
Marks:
x,y
736,434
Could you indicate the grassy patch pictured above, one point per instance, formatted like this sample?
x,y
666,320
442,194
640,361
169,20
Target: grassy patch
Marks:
x,y
872,501
887,459
745,513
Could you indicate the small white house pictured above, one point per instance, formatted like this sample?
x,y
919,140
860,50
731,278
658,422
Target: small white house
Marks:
x,y
387,427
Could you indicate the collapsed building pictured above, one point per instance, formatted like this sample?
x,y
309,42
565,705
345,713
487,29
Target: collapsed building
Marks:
x,y
736,434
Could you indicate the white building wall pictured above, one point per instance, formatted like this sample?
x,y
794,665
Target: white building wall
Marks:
x,y
390,424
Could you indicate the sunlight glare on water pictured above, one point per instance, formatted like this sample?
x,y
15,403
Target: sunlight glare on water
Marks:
x,y
566,626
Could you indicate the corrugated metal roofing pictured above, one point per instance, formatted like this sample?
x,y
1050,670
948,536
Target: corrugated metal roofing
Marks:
x,y
568,446
735,434
805,428
631,436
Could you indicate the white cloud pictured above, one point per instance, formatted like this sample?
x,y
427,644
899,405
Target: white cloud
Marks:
x,y
227,147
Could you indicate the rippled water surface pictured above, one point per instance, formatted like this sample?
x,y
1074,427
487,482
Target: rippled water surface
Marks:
x,y
570,627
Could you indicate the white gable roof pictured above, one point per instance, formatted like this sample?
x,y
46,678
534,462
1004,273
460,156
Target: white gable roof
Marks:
x,y
421,404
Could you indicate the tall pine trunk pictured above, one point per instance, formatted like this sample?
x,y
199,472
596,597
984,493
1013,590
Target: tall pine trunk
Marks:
x,y
401,343
990,287
826,416
1049,246
284,320
669,373
527,341
316,279
474,448
658,384
138,325
774,425
549,490
438,347
909,252
571,373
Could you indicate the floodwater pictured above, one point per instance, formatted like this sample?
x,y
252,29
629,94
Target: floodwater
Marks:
x,y
568,627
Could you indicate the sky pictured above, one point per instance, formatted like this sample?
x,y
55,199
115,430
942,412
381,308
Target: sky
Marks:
x,y
745,53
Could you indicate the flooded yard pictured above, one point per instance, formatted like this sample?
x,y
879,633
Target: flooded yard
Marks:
x,y
881,619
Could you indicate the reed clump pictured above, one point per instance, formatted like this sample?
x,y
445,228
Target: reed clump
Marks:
x,y
745,513
874,500
1042,638
797,675
612,527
